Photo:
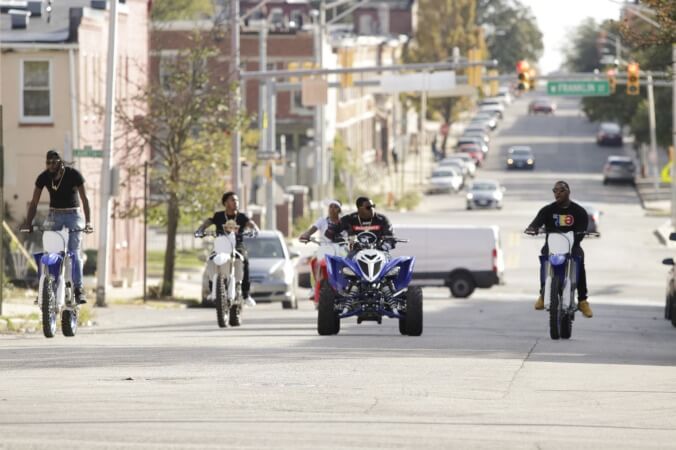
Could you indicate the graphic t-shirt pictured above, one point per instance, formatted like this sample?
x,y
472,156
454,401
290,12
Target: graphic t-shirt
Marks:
x,y
557,218
328,230
62,192
220,218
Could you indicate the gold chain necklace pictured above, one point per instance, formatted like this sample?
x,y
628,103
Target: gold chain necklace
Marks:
x,y
63,175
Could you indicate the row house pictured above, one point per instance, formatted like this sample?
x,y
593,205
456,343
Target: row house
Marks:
x,y
52,89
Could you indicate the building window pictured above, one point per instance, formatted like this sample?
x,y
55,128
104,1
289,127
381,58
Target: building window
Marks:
x,y
36,104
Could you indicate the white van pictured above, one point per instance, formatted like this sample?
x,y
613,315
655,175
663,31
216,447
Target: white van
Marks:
x,y
459,257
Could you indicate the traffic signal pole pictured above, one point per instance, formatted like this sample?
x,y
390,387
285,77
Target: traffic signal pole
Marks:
x,y
653,133
673,130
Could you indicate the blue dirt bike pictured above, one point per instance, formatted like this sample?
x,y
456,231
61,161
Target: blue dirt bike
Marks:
x,y
370,285
561,273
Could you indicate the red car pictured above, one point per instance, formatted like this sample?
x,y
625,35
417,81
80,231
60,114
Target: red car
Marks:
x,y
474,151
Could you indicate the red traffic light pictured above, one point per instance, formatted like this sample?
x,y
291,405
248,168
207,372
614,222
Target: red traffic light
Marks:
x,y
633,69
522,66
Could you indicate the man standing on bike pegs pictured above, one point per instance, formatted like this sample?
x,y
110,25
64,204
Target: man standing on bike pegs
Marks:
x,y
327,227
64,184
367,220
564,215
231,203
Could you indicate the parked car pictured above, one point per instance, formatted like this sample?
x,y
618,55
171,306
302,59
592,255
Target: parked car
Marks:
x,y
485,194
476,133
458,166
489,124
541,105
272,269
594,217
520,157
474,151
473,139
493,108
461,258
504,94
670,303
609,133
466,160
477,127
445,179
490,120
619,168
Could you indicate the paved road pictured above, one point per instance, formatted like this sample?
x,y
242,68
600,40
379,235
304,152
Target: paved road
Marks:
x,y
483,375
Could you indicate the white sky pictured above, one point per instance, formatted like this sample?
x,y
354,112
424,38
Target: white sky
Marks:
x,y
557,18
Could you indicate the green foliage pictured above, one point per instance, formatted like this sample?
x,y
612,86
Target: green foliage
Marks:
x,y
645,35
186,121
583,56
512,32
445,24
165,10
344,165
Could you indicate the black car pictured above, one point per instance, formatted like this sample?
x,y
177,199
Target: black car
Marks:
x,y
670,304
520,158
609,134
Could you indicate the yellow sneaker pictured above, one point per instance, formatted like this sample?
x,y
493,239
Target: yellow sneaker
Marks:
x,y
585,309
540,303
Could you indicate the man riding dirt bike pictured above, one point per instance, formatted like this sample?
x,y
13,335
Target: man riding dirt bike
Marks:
x,y
327,227
562,216
231,203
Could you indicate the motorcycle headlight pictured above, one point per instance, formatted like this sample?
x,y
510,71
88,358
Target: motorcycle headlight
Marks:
x,y
394,271
470,196
510,161
348,272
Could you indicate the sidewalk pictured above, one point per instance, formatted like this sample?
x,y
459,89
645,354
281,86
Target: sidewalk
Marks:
x,y
655,198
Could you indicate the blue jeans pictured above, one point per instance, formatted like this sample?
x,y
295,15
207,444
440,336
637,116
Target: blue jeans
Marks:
x,y
73,221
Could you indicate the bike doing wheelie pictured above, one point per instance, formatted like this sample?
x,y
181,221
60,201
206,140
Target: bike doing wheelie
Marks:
x,y
370,285
55,289
561,270
225,271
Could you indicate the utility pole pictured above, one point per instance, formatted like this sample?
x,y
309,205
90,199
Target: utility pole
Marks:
x,y
145,231
673,130
271,206
319,110
653,137
237,97
263,121
108,147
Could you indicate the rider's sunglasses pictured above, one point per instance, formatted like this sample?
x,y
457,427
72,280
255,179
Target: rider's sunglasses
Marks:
x,y
50,162
369,206
557,190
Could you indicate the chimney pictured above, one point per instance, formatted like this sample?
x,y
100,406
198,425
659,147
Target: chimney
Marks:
x,y
19,18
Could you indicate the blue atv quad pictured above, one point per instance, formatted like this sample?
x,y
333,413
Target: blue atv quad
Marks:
x,y
370,285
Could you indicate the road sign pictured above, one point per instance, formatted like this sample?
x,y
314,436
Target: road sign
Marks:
x,y
87,152
594,88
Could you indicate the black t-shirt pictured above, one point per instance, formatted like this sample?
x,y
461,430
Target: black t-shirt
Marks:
x,y
220,218
557,218
62,193
378,225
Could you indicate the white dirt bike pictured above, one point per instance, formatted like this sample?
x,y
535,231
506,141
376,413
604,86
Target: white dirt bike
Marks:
x,y
225,269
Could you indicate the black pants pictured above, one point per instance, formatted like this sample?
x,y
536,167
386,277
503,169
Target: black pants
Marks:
x,y
246,284
578,253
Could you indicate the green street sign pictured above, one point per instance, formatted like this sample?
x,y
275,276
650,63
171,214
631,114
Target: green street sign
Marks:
x,y
595,88
87,152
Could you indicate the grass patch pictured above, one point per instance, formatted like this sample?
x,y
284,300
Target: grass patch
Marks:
x,y
185,260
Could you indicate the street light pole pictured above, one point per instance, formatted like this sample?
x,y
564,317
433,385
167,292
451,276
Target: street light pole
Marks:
x,y
236,99
653,133
108,148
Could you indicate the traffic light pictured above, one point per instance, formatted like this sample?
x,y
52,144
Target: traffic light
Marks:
x,y
612,82
531,79
633,85
522,68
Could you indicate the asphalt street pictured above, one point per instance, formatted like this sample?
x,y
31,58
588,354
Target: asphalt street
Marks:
x,y
484,374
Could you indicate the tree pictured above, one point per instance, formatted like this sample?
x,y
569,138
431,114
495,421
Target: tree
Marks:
x,y
512,33
187,115
663,12
584,52
444,24
165,10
